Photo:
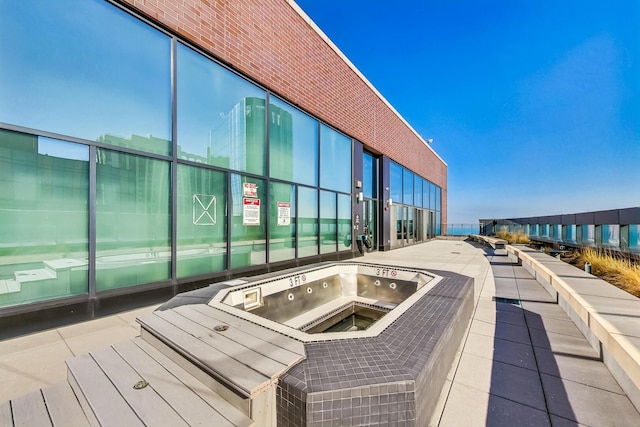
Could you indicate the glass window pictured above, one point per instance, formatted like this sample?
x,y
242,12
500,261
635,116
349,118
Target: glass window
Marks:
x,y
307,222
634,237
425,195
569,233
64,73
44,192
417,191
335,160
344,222
438,224
327,222
293,144
369,176
544,230
221,116
438,198
407,186
395,178
588,234
201,221
282,222
533,231
611,235
132,220
432,194
248,221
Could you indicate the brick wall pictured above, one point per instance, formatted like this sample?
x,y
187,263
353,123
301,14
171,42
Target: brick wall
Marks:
x,y
270,42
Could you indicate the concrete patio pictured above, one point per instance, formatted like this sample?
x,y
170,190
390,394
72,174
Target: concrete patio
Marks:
x,y
522,362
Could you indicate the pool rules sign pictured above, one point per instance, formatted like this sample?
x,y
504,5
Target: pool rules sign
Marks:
x,y
284,213
250,211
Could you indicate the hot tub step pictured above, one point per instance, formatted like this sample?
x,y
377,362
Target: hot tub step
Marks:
x,y
132,383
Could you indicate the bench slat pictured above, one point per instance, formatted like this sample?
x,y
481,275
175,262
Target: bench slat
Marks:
x,y
227,370
213,399
236,351
180,397
257,331
108,406
145,402
237,334
63,405
30,410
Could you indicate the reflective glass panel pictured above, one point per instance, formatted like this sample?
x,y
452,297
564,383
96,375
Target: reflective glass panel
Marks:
x,y
307,222
438,224
395,178
248,218
432,194
282,222
417,191
344,222
611,235
634,237
293,144
221,116
85,69
407,186
369,176
44,192
438,198
201,221
425,195
335,160
132,220
327,222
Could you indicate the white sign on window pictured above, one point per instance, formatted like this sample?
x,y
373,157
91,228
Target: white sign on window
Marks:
x,y
204,209
249,189
284,213
250,211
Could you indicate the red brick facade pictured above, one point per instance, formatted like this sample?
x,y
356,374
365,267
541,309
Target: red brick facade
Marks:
x,y
269,41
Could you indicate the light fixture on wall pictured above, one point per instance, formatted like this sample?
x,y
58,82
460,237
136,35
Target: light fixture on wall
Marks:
x,y
360,196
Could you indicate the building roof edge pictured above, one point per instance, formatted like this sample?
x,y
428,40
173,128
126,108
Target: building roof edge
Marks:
x,y
337,50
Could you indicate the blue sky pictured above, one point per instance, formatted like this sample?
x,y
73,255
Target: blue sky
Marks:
x,y
535,106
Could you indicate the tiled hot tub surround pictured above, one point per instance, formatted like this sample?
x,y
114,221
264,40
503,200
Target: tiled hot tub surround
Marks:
x,y
394,378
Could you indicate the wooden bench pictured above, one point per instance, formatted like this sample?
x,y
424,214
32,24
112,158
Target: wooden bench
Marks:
x,y
494,242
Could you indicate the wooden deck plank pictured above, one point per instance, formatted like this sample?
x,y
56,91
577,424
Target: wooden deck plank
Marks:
x,y
257,331
105,402
145,402
236,351
179,396
233,350
6,419
227,370
241,333
29,410
63,405
230,412
268,351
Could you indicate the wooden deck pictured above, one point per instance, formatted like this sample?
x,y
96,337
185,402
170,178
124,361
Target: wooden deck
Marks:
x,y
192,365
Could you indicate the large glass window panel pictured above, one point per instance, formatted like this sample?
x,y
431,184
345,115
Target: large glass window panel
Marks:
x,y
335,160
88,70
201,221
395,178
438,224
438,198
425,195
634,237
307,222
282,222
248,221
221,116
611,235
327,222
417,191
344,222
44,192
432,193
407,186
132,220
293,144
369,176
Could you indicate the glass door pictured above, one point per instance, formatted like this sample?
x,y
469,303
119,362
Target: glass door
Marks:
x,y
370,220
